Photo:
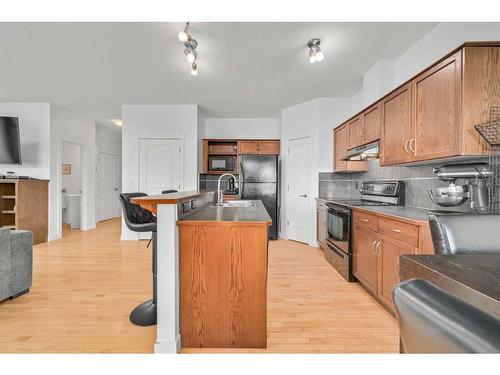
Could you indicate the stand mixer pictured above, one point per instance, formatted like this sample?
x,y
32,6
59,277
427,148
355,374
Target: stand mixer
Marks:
x,y
475,189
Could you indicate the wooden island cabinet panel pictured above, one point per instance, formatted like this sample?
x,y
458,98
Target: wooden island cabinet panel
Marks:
x,y
223,278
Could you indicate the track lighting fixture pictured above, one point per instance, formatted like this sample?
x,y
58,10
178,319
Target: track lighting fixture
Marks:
x,y
194,69
315,53
189,48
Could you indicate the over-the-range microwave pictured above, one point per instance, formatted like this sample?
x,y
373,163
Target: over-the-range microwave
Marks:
x,y
222,163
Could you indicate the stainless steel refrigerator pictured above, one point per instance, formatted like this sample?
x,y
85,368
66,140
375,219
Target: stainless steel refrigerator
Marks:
x,y
259,180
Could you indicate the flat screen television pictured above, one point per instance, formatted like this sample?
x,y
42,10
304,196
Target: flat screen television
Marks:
x,y
10,142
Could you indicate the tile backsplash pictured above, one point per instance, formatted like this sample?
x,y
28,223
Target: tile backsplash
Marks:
x,y
418,180
208,182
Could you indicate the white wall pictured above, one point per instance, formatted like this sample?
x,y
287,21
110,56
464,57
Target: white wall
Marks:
x,y
34,127
300,121
158,121
71,154
236,128
72,127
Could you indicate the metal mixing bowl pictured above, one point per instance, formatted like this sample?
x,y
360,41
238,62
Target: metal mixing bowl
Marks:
x,y
450,196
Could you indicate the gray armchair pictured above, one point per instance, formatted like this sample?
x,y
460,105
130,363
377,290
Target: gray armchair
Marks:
x,y
16,262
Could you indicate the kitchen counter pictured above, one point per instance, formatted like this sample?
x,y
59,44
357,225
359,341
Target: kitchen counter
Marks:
x,y
472,278
150,202
242,215
223,277
399,212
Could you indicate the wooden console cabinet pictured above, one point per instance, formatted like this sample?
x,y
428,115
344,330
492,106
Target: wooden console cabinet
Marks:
x,y
24,205
378,241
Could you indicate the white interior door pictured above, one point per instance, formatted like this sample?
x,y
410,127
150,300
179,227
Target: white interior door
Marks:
x,y
298,189
108,185
159,165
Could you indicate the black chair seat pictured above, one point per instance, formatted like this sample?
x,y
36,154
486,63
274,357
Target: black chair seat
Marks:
x,y
137,218
433,321
465,234
169,191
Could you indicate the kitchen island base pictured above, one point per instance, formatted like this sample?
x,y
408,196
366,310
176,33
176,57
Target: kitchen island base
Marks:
x,y
223,277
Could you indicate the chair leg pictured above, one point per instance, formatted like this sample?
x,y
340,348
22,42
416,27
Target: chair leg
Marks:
x,y
145,313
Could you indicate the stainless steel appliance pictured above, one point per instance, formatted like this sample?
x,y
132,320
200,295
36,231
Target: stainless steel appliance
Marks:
x,y
222,163
339,220
474,189
369,151
259,180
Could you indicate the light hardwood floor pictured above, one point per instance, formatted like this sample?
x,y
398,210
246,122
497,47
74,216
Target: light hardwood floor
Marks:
x,y
85,285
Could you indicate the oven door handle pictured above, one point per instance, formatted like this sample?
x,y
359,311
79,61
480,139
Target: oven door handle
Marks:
x,y
339,253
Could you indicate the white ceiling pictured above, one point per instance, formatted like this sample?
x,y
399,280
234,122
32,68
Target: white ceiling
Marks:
x,y
245,69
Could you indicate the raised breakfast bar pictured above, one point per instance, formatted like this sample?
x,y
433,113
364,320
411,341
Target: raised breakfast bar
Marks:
x,y
212,271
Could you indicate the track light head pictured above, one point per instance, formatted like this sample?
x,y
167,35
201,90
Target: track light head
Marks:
x,y
194,69
315,53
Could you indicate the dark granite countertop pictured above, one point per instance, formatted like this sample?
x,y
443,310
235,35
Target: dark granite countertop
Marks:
x,y
473,278
212,213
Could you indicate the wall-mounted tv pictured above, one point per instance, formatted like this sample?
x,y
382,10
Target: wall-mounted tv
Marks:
x,y
10,142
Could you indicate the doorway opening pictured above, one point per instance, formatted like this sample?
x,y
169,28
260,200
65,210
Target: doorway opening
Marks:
x,y
71,192
108,186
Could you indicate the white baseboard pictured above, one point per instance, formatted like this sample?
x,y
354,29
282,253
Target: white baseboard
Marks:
x,y
168,347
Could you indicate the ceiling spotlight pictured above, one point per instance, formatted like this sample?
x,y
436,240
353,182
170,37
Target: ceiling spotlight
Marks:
x,y
117,122
189,48
315,53
194,69
190,55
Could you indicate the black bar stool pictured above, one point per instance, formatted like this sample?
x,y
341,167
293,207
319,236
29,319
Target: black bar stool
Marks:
x,y
433,321
169,191
464,234
138,219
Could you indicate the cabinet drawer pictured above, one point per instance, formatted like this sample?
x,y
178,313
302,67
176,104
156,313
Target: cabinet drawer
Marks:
x,y
398,230
365,220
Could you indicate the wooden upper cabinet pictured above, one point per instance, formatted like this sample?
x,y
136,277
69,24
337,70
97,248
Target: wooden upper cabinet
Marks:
x,y
396,127
371,124
355,127
365,263
269,147
437,120
248,147
340,139
389,251
259,147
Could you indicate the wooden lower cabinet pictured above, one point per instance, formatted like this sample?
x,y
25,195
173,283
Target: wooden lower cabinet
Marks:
x,y
364,257
376,254
389,251
321,224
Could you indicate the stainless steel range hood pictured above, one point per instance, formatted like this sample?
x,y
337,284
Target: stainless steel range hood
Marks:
x,y
365,152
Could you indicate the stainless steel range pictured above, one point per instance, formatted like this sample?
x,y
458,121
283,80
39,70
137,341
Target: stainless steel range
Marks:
x,y
339,220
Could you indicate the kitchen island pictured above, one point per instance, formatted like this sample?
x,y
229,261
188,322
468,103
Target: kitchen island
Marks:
x,y
212,271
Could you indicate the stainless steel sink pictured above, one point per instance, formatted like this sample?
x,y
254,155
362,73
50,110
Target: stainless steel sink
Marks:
x,y
237,204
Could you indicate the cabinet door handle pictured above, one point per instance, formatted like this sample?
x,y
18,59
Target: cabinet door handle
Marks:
x,y
373,246
377,247
364,220
412,142
396,230
406,146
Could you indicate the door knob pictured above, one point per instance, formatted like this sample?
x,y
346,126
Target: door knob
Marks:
x,y
303,195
